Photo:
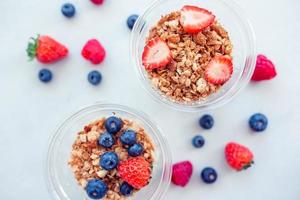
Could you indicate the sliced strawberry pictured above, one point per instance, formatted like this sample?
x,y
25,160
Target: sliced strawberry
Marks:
x,y
194,19
219,70
156,54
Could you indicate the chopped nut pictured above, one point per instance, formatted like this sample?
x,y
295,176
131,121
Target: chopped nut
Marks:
x,y
102,173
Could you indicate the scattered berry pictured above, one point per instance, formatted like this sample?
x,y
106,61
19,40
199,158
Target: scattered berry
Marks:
x,y
106,140
68,10
206,121
135,171
198,141
128,137
94,77
46,49
156,54
219,70
93,51
97,2
238,157
264,70
45,75
194,19
131,21
258,122
209,175
96,189
135,150
109,160
113,124
126,189
182,173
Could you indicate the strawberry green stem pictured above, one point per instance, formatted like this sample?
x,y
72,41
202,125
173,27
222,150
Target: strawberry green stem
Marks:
x,y
31,48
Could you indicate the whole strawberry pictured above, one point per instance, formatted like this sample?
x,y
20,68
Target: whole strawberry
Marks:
x,y
93,51
46,50
182,173
264,70
135,171
238,156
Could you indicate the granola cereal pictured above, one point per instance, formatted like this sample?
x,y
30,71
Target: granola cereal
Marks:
x,y
86,154
183,78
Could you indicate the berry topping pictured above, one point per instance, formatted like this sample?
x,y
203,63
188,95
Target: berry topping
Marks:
x,y
135,150
209,175
97,2
264,70
45,75
206,121
131,21
106,140
238,157
258,122
182,173
219,70
45,49
113,124
126,189
135,171
198,141
68,10
194,19
128,137
93,51
109,160
156,54
96,189
94,77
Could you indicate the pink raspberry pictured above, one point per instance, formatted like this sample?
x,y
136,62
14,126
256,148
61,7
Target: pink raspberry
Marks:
x,y
182,173
97,2
93,51
264,70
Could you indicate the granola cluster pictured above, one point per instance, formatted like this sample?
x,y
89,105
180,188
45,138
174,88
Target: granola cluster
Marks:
x,y
85,155
183,79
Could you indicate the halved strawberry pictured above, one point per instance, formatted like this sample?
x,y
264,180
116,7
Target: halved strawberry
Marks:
x,y
219,70
195,19
156,54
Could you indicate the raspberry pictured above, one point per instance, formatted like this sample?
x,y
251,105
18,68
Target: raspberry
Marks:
x,y
182,173
264,70
97,2
93,51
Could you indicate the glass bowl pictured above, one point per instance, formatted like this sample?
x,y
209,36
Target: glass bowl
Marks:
x,y
59,176
235,21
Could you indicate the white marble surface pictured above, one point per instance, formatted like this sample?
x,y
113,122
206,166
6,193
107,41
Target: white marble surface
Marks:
x,y
30,110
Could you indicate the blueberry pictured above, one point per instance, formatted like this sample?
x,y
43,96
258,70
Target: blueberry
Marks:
x,y
109,160
96,189
131,21
68,10
126,189
198,141
209,175
94,77
135,150
128,137
206,121
45,75
113,124
258,122
106,140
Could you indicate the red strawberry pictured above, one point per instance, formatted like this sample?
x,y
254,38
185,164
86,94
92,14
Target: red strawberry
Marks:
x,y
93,51
182,173
264,70
219,70
46,49
238,157
135,171
194,19
97,2
156,54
